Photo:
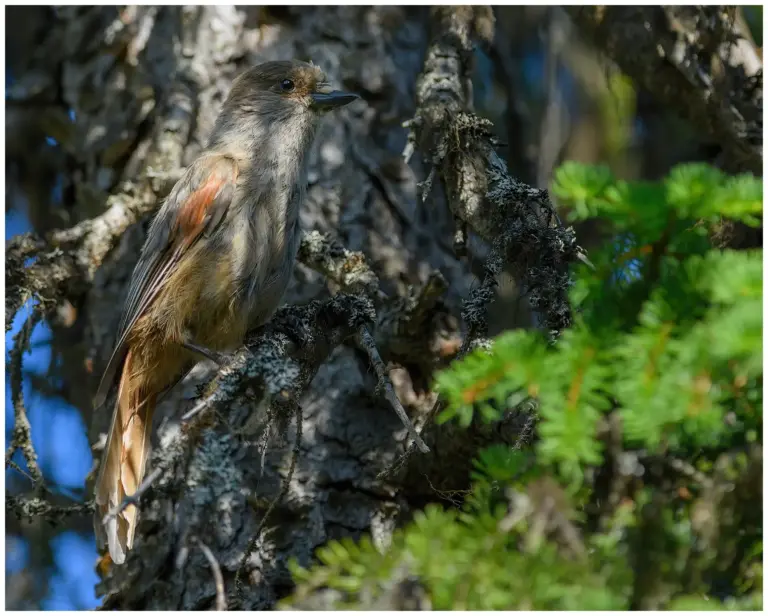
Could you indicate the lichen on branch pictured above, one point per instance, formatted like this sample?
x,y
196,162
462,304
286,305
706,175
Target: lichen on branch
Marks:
x,y
517,219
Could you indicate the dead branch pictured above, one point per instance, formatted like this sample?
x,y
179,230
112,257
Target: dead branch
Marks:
x,y
28,508
516,218
22,432
366,341
133,499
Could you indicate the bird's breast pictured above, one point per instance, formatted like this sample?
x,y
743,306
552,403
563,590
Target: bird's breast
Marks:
x,y
263,244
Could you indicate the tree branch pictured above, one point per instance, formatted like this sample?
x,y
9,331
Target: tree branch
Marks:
x,y
695,60
346,268
22,431
366,341
516,218
35,507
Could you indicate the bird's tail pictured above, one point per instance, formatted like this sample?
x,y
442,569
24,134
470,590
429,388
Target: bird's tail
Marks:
x,y
124,460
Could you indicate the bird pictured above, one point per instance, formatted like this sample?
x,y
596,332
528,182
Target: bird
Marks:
x,y
215,264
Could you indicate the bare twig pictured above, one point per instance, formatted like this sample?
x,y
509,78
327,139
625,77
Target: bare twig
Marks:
x,y
400,463
11,464
197,409
66,260
35,506
22,432
583,258
26,508
366,341
454,497
262,449
410,145
221,598
133,499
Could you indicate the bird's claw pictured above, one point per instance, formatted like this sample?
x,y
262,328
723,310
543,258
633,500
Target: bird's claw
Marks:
x,y
218,358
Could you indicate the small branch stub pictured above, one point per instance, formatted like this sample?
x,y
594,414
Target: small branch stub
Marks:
x,y
366,341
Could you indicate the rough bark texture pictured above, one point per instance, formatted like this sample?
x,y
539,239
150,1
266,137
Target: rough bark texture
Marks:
x,y
146,84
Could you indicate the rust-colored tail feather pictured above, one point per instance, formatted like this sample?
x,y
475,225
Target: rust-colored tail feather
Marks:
x,y
124,461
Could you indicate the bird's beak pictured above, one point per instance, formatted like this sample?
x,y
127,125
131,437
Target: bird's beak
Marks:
x,y
331,100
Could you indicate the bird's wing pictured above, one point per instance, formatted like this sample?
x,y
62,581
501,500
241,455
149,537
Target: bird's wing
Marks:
x,y
195,207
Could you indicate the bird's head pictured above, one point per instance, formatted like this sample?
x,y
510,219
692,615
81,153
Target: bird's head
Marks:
x,y
273,110
284,89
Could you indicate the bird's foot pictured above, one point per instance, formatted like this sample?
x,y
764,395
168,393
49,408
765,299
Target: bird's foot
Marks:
x,y
217,358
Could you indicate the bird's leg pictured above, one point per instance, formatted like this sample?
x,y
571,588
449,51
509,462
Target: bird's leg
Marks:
x,y
217,358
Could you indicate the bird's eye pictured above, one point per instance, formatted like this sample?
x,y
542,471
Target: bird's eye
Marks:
x,y
287,85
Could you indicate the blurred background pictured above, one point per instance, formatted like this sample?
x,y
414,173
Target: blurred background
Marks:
x,y
550,96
